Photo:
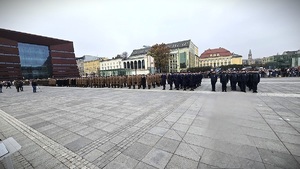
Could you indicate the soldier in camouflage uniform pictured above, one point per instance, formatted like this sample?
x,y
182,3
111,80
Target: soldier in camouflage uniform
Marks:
x,y
139,81
129,81
134,81
149,80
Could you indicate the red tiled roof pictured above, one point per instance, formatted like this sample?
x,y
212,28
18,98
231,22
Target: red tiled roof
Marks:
x,y
220,51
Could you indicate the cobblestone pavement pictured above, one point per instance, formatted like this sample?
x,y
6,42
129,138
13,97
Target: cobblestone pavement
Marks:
x,y
67,127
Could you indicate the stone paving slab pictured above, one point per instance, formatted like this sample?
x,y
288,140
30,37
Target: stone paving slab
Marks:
x,y
67,127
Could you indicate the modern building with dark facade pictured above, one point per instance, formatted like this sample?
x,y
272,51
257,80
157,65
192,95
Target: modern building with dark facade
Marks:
x,y
28,56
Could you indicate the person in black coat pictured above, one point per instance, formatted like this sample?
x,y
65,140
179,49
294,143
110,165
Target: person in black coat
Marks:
x,y
143,81
34,84
163,80
224,81
184,81
1,85
213,80
255,81
233,80
243,81
176,80
200,78
249,82
170,80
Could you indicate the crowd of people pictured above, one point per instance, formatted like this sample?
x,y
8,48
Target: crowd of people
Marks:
x,y
18,85
176,81
284,72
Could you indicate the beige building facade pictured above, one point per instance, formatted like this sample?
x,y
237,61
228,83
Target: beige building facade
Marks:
x,y
91,68
219,57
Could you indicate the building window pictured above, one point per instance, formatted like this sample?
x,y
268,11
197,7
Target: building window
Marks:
x,y
182,60
35,61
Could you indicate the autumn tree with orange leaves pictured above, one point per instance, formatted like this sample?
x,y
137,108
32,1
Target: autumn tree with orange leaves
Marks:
x,y
161,55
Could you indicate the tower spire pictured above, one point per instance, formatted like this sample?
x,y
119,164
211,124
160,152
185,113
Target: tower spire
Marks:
x,y
250,54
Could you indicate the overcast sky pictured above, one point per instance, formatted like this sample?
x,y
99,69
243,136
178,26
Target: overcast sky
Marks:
x,y
109,27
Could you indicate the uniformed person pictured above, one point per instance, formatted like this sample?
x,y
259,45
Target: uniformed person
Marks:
x,y
149,81
129,81
158,79
224,81
170,80
153,80
213,80
255,80
143,81
163,80
233,80
243,81
139,81
134,81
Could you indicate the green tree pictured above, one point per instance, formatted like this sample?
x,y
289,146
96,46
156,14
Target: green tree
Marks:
x,y
161,55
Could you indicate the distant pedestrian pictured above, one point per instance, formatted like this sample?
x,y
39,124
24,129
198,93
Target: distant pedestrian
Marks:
x,y
21,85
8,84
17,85
34,84
1,85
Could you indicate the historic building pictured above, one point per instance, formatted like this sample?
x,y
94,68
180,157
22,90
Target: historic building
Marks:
x,y
111,67
28,56
138,62
91,68
296,59
183,55
285,60
218,57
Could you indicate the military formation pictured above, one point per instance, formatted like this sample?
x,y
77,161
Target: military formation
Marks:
x,y
173,81
242,78
178,80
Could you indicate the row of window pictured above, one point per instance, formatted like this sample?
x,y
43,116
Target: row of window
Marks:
x,y
63,58
6,54
215,60
8,46
64,65
11,63
111,63
215,64
215,54
59,51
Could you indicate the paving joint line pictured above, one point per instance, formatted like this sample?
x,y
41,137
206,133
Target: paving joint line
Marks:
x,y
46,143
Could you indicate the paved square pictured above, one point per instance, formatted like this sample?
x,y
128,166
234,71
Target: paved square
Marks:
x,y
70,127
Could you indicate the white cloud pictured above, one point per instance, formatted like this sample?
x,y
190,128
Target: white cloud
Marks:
x,y
109,27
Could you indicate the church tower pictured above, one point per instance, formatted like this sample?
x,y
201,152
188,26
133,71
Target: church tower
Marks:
x,y
250,61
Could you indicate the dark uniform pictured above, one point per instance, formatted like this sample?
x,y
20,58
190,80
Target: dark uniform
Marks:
x,y
170,81
243,81
255,81
213,80
224,81
233,80
163,81
176,79
185,80
143,81
192,82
